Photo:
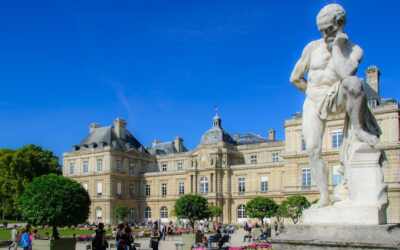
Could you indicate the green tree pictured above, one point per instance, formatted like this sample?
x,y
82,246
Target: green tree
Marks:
x,y
261,207
7,185
281,212
121,212
192,207
55,201
215,211
294,206
17,169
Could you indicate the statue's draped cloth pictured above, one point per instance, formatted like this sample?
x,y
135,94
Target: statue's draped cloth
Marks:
x,y
331,100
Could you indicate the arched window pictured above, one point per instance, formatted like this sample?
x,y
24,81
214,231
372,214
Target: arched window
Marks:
x,y
203,185
147,213
163,212
131,215
241,211
99,214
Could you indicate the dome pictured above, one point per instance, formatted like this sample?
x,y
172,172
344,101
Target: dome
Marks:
x,y
216,134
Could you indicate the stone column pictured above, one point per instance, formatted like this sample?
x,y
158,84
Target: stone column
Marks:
x,y
211,182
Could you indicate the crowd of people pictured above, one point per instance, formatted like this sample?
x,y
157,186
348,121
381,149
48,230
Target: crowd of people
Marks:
x,y
265,231
22,239
125,238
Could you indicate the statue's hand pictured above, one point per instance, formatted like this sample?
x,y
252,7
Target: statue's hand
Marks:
x,y
340,39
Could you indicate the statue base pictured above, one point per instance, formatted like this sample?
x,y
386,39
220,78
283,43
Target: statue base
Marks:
x,y
341,214
327,237
362,195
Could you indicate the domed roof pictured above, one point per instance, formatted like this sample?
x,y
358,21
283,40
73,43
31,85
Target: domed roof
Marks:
x,y
216,134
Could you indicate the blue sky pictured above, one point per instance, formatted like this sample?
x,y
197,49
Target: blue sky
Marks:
x,y
164,65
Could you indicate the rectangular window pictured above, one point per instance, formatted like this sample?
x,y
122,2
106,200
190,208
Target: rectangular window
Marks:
x,y
163,189
179,165
203,185
119,165
85,166
264,184
303,144
119,188
99,165
164,167
147,190
242,185
253,159
72,167
181,188
336,175
337,139
132,190
99,188
131,168
275,156
306,178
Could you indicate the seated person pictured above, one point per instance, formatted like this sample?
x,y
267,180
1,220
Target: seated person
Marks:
x,y
199,237
264,234
224,239
248,236
214,238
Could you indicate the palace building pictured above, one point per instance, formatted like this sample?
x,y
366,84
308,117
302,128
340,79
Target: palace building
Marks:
x,y
227,169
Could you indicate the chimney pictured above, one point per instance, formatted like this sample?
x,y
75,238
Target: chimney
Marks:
x,y
93,126
373,77
120,127
271,134
178,144
155,142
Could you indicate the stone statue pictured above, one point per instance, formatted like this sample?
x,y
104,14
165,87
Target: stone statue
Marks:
x,y
331,87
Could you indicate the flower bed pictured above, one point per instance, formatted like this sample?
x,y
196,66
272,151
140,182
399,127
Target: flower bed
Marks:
x,y
85,237
254,246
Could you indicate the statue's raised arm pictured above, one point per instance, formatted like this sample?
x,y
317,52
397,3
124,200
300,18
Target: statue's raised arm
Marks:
x,y
301,68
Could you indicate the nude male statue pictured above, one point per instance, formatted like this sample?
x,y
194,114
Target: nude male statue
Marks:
x,y
331,87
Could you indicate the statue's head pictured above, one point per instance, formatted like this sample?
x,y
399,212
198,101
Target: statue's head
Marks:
x,y
331,19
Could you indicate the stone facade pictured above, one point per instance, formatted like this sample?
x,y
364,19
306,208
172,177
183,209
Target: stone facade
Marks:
x,y
227,169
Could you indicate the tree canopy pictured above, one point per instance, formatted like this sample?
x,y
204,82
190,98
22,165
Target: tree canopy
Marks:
x,y
261,207
17,169
54,200
293,207
192,207
215,211
121,212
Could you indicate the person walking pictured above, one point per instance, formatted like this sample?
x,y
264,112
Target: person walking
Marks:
x,y
14,238
25,242
129,238
121,238
163,231
99,242
155,238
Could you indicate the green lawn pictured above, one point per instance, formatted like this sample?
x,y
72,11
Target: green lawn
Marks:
x,y
64,232
4,234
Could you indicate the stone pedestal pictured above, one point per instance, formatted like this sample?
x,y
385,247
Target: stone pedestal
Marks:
x,y
327,237
345,215
363,194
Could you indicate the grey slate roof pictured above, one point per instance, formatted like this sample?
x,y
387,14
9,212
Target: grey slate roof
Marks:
x,y
248,138
105,136
164,148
